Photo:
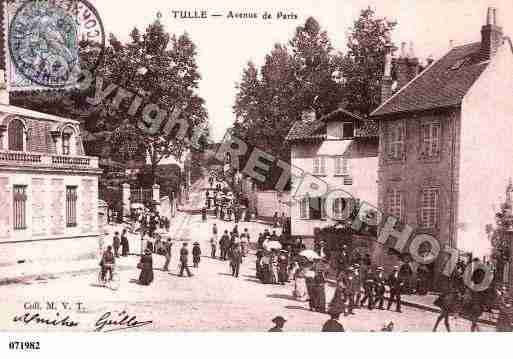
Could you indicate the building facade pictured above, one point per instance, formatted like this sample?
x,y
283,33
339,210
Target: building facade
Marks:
x,y
446,143
48,189
340,152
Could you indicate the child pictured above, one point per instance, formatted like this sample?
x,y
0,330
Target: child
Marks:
x,y
196,254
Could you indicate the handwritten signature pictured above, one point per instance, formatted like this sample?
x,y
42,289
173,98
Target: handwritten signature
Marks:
x,y
106,323
29,318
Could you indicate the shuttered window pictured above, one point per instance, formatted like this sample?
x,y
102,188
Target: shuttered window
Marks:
x,y
429,208
19,207
15,135
71,206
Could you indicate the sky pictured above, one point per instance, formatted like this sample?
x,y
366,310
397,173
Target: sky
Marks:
x,y
225,45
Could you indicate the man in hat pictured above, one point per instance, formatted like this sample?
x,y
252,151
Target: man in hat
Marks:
x,y
349,292
235,259
184,257
368,288
196,254
332,324
279,322
116,243
379,288
167,254
395,283
357,285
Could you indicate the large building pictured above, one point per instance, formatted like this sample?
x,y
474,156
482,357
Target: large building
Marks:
x,y
339,149
48,188
446,142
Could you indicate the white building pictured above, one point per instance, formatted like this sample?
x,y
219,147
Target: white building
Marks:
x,y
339,149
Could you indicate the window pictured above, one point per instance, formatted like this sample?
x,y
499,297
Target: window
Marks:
x,y
316,208
71,206
396,141
20,207
394,200
429,208
303,208
16,134
341,168
338,207
319,165
65,144
430,139
348,181
344,130
67,141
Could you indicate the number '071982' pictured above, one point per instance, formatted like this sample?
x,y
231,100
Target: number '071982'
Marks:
x,y
15,345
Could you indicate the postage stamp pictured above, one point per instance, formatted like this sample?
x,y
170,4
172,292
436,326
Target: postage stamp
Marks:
x,y
51,41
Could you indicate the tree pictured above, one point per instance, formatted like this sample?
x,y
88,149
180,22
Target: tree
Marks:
x,y
157,66
293,78
502,234
163,69
363,64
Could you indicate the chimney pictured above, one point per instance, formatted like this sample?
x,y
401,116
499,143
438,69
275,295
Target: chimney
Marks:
x,y
386,81
407,66
491,35
308,115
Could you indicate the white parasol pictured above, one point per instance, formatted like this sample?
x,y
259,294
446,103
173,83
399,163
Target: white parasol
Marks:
x,y
268,245
309,254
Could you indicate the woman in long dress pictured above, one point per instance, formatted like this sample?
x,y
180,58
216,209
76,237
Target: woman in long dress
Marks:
x,y
300,292
146,266
273,266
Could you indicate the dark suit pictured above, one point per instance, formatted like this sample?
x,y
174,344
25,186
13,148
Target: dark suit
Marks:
x,y
396,283
184,257
379,290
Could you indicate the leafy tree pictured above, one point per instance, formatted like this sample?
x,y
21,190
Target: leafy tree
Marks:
x,y
159,68
363,64
293,78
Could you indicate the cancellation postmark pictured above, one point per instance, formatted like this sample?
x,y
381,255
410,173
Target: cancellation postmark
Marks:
x,y
51,41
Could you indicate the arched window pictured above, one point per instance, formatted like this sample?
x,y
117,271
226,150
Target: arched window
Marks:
x,y
68,140
16,134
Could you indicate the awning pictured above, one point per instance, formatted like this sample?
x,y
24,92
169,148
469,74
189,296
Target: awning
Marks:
x,y
334,148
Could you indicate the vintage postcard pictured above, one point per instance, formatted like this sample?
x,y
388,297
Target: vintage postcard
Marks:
x,y
270,166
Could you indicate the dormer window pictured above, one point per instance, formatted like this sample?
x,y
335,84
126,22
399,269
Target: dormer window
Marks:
x,y
16,135
67,141
343,130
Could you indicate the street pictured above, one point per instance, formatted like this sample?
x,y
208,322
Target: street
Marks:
x,y
211,300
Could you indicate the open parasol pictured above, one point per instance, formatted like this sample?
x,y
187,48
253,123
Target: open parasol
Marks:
x,y
309,254
272,245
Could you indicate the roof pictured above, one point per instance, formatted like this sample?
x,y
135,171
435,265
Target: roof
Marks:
x,y
316,130
302,130
20,111
443,84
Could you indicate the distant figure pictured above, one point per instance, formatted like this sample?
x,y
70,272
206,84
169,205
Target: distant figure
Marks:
x,y
184,258
196,254
146,267
167,254
214,231
235,260
213,247
275,220
395,283
279,322
125,249
116,242
107,262
332,324
204,214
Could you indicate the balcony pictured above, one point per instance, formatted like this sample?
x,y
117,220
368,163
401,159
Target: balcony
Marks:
x,y
45,160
